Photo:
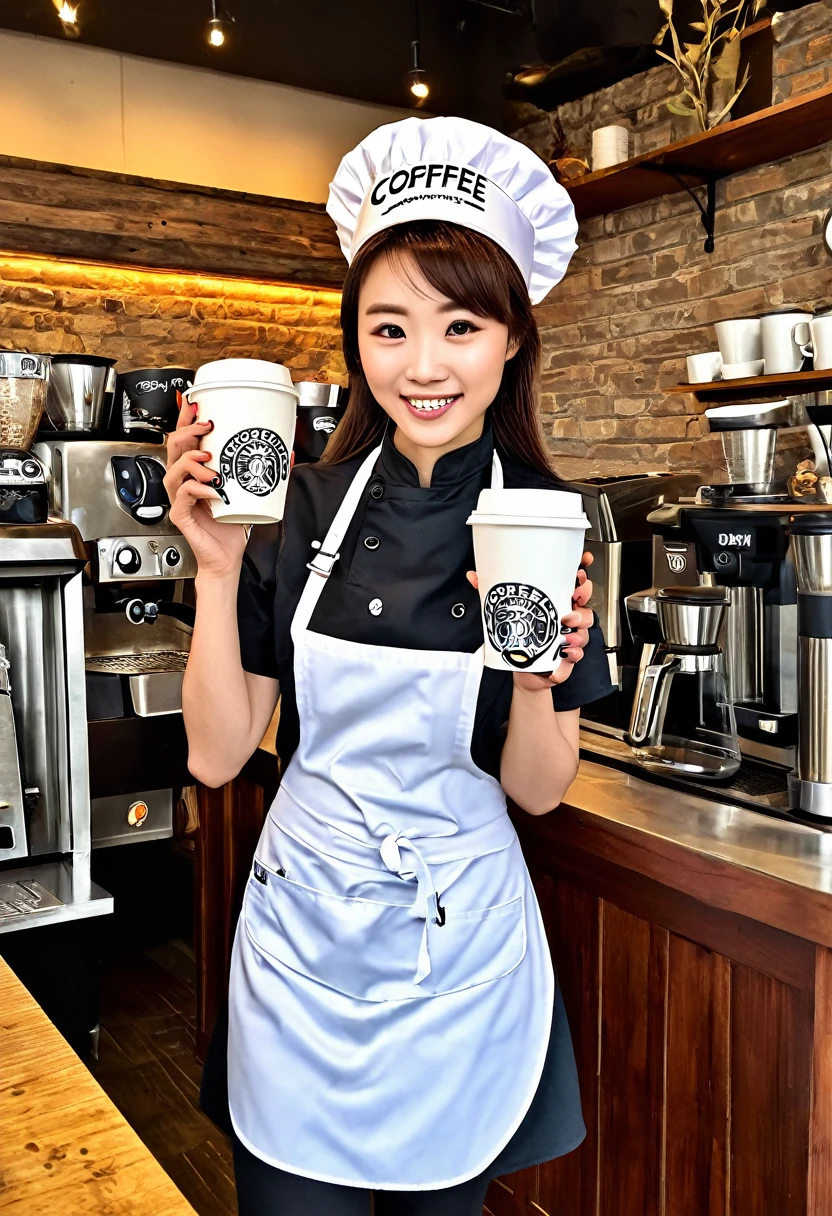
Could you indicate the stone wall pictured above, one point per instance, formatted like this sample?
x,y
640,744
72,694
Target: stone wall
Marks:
x,y
641,293
149,318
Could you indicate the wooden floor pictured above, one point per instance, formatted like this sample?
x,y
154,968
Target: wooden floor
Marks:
x,y
146,1064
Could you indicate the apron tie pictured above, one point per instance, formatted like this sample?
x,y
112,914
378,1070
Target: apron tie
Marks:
x,y
426,905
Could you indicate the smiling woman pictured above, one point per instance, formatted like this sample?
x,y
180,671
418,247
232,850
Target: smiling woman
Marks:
x,y
391,974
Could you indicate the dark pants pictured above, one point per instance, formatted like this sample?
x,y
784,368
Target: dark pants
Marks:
x,y
263,1190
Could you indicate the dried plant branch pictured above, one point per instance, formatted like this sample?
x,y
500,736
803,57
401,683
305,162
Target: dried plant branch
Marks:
x,y
709,68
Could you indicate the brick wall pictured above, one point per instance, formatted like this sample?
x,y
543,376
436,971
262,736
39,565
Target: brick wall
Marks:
x,y
641,293
147,319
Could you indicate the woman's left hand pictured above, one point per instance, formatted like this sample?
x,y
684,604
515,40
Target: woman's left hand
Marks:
x,y
577,623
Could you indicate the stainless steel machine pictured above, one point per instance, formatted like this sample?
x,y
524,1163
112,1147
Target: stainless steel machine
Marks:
x,y
686,670
137,626
621,542
734,539
44,778
810,783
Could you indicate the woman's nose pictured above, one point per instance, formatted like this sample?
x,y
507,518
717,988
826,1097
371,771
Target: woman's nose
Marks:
x,y
426,366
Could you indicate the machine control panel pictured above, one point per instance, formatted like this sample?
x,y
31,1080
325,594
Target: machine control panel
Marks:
x,y
123,558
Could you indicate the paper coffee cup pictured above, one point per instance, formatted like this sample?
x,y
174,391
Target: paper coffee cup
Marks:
x,y
253,405
527,551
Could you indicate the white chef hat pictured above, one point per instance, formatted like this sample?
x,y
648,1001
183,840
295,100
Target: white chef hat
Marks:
x,y
460,171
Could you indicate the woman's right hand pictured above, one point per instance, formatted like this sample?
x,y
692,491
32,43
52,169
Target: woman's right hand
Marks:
x,y
218,547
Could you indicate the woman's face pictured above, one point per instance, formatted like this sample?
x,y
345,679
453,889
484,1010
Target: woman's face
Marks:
x,y
431,364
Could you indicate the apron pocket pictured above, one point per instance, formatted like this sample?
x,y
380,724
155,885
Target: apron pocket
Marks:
x,y
473,948
370,950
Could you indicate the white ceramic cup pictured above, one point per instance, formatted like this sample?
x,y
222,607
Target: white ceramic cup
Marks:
x,y
742,371
253,405
815,339
740,339
781,353
610,146
705,368
527,551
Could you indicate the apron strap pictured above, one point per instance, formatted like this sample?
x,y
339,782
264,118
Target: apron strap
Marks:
x,y
328,552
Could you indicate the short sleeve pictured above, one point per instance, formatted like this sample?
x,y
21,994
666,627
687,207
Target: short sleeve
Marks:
x,y
590,679
255,601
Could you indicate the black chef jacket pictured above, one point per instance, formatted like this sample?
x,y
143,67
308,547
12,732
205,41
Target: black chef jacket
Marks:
x,y
407,552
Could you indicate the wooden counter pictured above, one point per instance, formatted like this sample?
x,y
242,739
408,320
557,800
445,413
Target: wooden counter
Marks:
x,y
64,1148
693,945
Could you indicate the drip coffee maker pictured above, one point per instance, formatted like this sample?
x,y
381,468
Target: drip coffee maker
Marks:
x,y
683,718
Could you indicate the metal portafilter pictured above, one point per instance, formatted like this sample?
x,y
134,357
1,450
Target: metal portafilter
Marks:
x,y
810,783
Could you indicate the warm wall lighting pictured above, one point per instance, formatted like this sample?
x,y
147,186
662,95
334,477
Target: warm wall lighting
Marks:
x,y
98,277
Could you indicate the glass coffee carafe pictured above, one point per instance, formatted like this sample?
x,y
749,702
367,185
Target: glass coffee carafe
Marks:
x,y
683,717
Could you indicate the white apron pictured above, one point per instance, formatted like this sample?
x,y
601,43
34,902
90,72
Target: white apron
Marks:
x,y
391,987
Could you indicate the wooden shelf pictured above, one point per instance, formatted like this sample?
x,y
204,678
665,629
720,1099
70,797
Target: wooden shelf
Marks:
x,y
758,387
768,135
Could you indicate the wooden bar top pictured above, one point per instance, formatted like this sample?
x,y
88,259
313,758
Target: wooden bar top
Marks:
x,y
775,871
64,1147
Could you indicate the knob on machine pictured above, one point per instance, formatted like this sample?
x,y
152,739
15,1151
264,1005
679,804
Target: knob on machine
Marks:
x,y
128,560
171,558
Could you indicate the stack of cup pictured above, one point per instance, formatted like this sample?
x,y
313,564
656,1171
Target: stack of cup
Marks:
x,y
253,406
527,551
610,146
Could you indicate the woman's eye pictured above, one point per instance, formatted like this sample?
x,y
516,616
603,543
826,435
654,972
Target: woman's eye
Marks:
x,y
460,328
390,331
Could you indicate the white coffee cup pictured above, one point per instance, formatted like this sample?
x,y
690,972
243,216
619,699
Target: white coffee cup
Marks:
x,y
781,353
814,338
527,552
705,368
253,405
742,371
740,339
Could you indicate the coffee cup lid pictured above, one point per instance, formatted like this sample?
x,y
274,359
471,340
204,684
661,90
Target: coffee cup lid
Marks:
x,y
555,508
249,371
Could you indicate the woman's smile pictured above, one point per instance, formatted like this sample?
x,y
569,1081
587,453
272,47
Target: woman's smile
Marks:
x,y
427,409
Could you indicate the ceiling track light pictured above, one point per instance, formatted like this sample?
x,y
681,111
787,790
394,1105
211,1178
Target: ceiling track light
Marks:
x,y
417,79
217,26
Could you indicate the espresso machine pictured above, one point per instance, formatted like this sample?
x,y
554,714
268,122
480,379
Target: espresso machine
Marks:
x,y
137,619
44,779
731,539
621,543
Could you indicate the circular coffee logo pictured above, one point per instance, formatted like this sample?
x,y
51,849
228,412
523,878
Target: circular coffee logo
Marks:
x,y
257,459
521,622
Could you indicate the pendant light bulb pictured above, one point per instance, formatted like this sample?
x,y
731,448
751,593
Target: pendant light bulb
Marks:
x,y
68,13
216,34
417,80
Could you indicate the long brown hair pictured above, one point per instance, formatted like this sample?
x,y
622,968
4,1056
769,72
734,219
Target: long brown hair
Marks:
x,y
479,276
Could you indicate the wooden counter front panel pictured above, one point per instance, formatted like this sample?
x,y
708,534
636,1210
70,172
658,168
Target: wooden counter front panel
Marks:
x,y
695,1066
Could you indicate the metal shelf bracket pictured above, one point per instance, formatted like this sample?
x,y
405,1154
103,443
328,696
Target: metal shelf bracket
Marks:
x,y
707,210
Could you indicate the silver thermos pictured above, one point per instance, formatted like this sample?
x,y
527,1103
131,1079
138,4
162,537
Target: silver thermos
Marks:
x,y
810,784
